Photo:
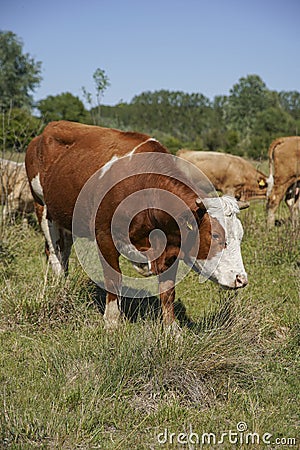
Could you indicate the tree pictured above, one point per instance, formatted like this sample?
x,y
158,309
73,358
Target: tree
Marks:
x,y
290,101
19,74
17,128
64,106
102,82
183,115
270,124
247,97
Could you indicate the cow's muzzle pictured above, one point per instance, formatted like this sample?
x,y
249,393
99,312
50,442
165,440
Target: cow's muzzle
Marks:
x,y
240,281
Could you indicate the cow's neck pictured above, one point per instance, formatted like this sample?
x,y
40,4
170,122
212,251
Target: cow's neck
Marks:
x,y
179,189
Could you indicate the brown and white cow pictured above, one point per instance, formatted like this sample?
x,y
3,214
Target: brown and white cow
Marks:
x,y
229,174
111,167
15,192
284,176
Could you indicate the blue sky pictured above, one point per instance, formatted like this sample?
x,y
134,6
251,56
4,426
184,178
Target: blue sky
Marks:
x,y
202,46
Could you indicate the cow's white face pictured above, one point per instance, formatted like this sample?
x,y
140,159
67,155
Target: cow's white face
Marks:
x,y
225,268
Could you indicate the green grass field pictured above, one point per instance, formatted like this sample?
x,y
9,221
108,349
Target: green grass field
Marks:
x,y
67,384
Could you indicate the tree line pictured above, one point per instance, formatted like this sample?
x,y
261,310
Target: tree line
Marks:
x,y
244,122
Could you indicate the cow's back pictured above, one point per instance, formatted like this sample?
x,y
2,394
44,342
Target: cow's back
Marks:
x,y
66,155
228,173
64,145
222,169
284,159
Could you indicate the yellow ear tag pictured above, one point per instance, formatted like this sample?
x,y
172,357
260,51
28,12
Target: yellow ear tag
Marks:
x,y
190,226
262,183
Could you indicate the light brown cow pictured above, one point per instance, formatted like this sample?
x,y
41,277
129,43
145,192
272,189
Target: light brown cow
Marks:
x,y
14,188
284,176
229,174
125,191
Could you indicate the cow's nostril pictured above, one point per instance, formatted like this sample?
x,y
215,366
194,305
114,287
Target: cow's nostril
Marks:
x,y
240,281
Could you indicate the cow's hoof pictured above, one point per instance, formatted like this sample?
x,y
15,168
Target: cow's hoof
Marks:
x,y
112,316
174,330
56,266
112,325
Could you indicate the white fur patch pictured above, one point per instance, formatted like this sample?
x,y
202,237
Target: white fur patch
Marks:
x,y
221,207
37,187
51,235
107,166
226,266
112,315
142,143
270,182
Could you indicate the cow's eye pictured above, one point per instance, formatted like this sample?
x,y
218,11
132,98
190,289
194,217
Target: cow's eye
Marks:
x,y
216,236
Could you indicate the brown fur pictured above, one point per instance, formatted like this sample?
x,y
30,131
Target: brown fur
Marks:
x,y
229,174
284,166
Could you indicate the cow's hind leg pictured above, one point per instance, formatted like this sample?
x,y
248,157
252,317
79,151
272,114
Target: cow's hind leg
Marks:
x,y
294,204
58,242
65,246
273,202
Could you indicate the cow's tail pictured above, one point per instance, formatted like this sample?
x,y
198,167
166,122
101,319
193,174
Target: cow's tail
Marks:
x,y
270,182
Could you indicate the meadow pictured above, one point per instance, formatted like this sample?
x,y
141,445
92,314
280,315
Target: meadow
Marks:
x,y
230,381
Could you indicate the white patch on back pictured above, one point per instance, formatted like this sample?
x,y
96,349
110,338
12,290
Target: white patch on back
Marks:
x,y
142,143
37,187
107,166
131,153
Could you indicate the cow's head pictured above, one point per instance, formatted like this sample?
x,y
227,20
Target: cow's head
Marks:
x,y
223,263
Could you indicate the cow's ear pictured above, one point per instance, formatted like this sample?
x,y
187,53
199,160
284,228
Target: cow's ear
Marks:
x,y
201,208
187,221
200,203
262,183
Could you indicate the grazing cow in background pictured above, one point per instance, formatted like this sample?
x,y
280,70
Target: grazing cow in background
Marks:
x,y
68,156
284,176
229,174
14,188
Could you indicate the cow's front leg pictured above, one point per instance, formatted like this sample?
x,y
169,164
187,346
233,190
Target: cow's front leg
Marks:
x,y
167,298
167,280
113,283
